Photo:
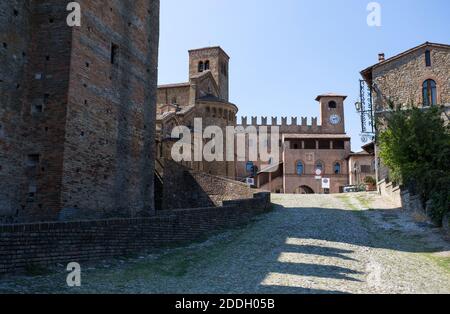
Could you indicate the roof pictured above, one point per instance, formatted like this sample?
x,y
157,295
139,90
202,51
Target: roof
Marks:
x,y
174,85
361,153
369,148
367,72
210,97
211,47
330,95
271,168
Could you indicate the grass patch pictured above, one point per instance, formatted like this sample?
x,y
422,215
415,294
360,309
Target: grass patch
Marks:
x,y
443,262
346,200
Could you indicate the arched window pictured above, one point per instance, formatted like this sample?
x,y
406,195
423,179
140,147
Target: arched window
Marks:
x,y
319,166
201,66
429,93
332,104
300,168
207,65
337,168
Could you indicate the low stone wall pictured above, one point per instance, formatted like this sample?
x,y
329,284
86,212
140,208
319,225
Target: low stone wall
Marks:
x,y
46,244
390,192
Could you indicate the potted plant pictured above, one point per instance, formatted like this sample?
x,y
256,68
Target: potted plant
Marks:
x,y
371,183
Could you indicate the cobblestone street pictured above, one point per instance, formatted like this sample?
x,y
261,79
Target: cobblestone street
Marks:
x,y
353,243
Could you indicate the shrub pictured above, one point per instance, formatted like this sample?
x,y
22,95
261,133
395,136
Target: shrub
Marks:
x,y
415,145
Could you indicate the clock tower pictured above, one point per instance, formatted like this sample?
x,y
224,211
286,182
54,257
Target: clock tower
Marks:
x,y
332,113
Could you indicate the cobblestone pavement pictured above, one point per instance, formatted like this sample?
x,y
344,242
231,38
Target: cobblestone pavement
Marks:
x,y
309,244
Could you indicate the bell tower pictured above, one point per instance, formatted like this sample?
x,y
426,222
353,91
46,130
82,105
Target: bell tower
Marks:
x,y
212,59
332,113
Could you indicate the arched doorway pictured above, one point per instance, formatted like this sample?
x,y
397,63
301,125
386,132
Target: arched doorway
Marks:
x,y
304,189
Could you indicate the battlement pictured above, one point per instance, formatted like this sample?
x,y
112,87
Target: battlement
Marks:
x,y
294,122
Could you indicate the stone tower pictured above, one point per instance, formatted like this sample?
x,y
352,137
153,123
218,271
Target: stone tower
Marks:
x,y
212,59
332,113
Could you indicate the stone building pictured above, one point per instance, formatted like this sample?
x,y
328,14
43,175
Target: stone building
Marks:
x,y
206,96
77,111
419,76
308,152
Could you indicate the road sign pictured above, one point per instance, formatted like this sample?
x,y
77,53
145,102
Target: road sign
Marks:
x,y
318,172
318,178
250,181
326,183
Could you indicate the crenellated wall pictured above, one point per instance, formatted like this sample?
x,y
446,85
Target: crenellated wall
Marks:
x,y
286,125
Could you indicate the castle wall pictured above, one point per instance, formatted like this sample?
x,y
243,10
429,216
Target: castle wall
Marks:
x,y
14,46
109,155
77,124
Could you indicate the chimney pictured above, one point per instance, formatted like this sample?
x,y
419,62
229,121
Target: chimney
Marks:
x,y
381,57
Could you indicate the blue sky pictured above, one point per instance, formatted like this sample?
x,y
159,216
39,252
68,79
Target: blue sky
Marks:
x,y
286,52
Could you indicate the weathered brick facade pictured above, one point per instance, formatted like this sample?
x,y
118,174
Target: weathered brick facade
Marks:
x,y
77,135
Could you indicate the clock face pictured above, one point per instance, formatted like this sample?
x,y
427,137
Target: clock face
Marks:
x,y
335,119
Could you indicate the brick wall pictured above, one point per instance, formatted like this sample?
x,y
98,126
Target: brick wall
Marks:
x,y
14,45
46,244
87,123
187,188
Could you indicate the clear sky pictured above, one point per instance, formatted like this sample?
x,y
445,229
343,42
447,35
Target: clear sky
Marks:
x,y
286,52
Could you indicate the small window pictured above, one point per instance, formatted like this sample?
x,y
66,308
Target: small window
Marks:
x,y
337,168
114,53
319,166
201,66
206,65
332,104
37,108
33,160
429,93
428,58
300,168
250,166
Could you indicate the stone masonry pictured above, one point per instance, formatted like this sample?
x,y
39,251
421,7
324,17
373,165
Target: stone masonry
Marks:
x,y
77,110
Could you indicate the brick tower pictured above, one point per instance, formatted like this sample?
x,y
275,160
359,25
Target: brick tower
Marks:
x,y
212,59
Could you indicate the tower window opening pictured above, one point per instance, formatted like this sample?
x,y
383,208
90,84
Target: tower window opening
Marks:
x,y
201,66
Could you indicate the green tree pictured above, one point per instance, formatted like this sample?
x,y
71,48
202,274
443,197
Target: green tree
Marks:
x,y
415,145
